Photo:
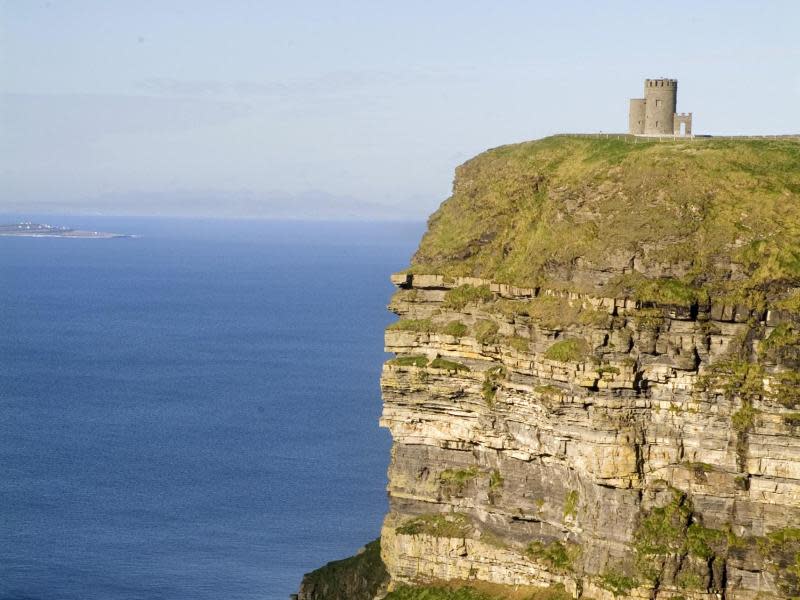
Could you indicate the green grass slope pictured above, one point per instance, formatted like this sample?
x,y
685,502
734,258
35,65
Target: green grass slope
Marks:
x,y
662,221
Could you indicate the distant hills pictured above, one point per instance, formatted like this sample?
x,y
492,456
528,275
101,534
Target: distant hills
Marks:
x,y
311,205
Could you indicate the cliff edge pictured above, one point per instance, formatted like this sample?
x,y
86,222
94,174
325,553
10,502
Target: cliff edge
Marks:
x,y
596,381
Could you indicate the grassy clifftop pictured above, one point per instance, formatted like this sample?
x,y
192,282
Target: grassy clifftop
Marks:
x,y
680,220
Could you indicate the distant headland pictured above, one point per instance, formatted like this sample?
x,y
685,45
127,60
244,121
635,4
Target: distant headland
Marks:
x,y
28,229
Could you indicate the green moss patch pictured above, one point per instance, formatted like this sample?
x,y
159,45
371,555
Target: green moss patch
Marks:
x,y
648,319
790,303
556,555
669,292
486,332
617,583
448,365
572,350
455,525
416,360
454,481
670,535
495,480
792,419
744,418
704,542
663,530
781,549
787,389
571,504
782,345
458,298
735,378
520,344
455,328
491,383
417,325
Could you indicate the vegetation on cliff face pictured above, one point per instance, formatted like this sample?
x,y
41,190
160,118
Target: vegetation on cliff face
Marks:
x,y
359,577
455,525
681,219
567,351
476,591
459,297
556,555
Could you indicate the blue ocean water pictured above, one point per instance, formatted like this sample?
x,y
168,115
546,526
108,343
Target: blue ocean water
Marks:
x,y
191,414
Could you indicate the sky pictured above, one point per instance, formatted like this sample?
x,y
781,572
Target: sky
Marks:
x,y
349,109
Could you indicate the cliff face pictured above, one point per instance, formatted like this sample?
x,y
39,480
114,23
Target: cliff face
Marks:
x,y
596,378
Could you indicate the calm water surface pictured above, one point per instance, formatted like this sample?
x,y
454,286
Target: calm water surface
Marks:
x,y
191,414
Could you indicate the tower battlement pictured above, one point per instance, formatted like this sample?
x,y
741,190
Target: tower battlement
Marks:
x,y
655,114
661,83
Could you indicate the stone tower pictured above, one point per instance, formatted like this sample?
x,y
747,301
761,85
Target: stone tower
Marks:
x,y
655,113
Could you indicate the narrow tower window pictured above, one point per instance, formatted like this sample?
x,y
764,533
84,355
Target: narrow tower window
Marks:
x,y
658,102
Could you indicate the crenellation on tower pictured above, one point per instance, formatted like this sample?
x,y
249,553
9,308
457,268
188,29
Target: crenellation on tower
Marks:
x,y
661,83
656,114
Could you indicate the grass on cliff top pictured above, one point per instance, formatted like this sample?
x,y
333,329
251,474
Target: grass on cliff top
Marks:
x,y
415,360
414,325
530,214
477,590
459,297
448,365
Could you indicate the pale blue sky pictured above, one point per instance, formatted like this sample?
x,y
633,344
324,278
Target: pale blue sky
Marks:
x,y
233,106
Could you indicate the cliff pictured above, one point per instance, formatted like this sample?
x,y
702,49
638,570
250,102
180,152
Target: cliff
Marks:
x,y
597,376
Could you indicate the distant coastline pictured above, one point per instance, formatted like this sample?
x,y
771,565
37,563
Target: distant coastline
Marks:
x,y
27,229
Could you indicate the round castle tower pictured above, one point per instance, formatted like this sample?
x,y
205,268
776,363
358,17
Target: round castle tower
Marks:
x,y
660,100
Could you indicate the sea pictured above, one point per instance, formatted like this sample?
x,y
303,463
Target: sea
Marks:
x,y
191,413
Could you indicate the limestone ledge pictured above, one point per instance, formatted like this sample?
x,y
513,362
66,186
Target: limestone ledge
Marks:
x,y
421,558
439,284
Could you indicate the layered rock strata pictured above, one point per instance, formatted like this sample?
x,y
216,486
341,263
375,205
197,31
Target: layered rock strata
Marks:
x,y
609,446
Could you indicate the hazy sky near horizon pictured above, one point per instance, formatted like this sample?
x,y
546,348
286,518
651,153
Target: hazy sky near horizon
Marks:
x,y
228,107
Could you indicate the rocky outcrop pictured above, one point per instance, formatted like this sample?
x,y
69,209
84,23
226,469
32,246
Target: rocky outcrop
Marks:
x,y
360,577
613,448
